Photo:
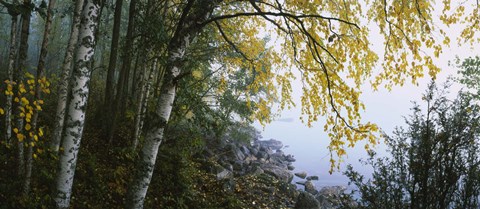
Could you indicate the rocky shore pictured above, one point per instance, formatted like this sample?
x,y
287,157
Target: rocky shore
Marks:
x,y
265,157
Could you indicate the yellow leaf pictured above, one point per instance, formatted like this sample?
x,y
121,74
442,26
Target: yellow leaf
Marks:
x,y
1,111
40,131
34,156
15,130
25,101
29,75
35,137
28,127
16,99
20,137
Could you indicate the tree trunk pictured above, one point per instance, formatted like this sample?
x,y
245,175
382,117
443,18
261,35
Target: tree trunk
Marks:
x,y
18,77
123,79
109,90
65,77
10,69
38,96
188,26
143,90
75,120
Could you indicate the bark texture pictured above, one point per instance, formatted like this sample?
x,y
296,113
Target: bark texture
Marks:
x,y
188,27
65,77
11,65
75,117
38,92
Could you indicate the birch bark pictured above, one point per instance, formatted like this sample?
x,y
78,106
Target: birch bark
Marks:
x,y
194,13
11,65
38,92
65,77
75,117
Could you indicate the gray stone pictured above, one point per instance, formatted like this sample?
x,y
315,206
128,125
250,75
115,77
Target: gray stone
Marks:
x,y
262,154
290,167
224,174
272,144
289,158
245,150
306,201
278,172
312,178
301,175
301,182
330,197
310,188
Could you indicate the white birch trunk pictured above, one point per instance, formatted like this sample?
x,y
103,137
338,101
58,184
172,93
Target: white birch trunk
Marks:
x,y
75,117
193,13
11,65
65,77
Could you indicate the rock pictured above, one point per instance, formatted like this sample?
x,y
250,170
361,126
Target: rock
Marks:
x,y
332,190
272,144
289,158
312,178
254,150
301,182
262,154
278,172
290,167
310,188
306,201
224,174
250,158
245,150
301,175
238,166
331,197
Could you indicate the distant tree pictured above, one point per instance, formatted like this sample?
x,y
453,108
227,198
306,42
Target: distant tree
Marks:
x,y
470,75
433,163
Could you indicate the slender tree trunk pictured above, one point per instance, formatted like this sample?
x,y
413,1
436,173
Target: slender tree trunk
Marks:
x,y
65,77
143,89
37,96
109,90
18,77
193,13
123,79
10,69
75,120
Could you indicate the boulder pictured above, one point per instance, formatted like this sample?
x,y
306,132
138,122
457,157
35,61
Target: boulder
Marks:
x,y
310,188
278,172
290,167
331,197
289,158
245,150
272,144
301,182
224,174
312,178
306,201
301,175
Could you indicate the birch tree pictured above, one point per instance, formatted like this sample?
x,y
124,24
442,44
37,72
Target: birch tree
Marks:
x,y
13,12
75,117
65,77
324,40
38,91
